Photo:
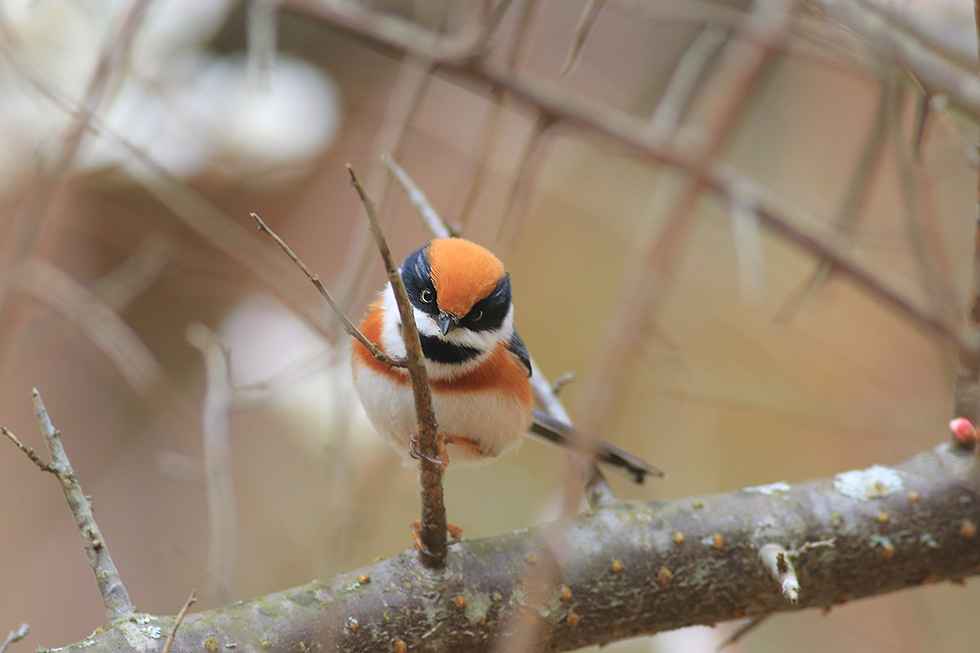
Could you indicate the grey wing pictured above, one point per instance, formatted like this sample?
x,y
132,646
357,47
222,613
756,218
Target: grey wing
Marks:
x,y
518,352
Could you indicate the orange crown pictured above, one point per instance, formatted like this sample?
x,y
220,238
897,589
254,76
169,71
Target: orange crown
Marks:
x,y
463,273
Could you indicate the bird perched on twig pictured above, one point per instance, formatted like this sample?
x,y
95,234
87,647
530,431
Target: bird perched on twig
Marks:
x,y
478,367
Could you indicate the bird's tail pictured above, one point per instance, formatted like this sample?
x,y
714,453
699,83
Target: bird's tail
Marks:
x,y
585,445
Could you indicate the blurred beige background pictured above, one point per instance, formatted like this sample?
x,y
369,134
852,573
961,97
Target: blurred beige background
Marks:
x,y
717,393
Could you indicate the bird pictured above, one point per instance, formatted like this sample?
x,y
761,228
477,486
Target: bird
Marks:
x,y
478,366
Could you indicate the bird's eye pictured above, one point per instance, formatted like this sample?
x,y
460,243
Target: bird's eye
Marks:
x,y
475,316
426,296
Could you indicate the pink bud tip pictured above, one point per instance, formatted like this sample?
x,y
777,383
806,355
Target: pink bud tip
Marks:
x,y
963,429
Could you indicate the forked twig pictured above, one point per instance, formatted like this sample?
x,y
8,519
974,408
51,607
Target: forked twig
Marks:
x,y
15,635
114,595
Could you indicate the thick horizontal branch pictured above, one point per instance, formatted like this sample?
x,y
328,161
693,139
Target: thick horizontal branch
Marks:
x,y
626,570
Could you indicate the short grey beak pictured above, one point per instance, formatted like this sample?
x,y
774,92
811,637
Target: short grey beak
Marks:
x,y
446,322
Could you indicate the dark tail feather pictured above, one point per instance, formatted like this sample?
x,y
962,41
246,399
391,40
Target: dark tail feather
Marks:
x,y
587,446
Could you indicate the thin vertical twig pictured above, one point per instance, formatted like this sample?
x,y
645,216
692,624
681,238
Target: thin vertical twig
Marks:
x,y
966,391
219,486
433,521
925,243
585,24
855,195
436,224
525,172
490,131
260,33
191,600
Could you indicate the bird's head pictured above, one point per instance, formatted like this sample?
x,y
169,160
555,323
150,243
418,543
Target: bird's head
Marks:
x,y
460,294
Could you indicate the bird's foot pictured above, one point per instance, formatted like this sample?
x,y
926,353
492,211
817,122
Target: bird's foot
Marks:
x,y
443,438
455,534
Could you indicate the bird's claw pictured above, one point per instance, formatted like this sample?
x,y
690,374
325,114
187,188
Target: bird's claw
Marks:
x,y
415,450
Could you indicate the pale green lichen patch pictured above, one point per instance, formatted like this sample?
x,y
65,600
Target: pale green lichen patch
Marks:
x,y
304,599
142,632
477,607
772,488
874,482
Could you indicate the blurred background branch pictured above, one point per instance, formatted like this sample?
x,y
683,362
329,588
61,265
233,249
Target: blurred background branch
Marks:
x,y
556,133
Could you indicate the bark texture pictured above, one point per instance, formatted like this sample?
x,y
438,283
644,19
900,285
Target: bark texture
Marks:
x,y
626,570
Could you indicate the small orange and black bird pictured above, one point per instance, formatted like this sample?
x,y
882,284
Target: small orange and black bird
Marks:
x,y
478,367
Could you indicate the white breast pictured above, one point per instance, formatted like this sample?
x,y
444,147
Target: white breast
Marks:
x,y
491,419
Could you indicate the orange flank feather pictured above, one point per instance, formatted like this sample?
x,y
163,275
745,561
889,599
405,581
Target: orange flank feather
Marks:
x,y
462,272
499,372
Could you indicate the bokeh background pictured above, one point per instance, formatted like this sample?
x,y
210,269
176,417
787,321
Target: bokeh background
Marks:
x,y
112,246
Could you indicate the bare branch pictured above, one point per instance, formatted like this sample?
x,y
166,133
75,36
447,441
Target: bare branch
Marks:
x,y
261,34
433,523
439,227
349,326
406,96
683,83
28,451
15,636
117,602
97,321
590,12
675,563
777,561
858,188
966,391
901,42
191,600
525,173
740,632
218,398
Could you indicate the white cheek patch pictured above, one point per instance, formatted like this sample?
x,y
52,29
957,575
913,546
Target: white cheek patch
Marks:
x,y
425,324
391,333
